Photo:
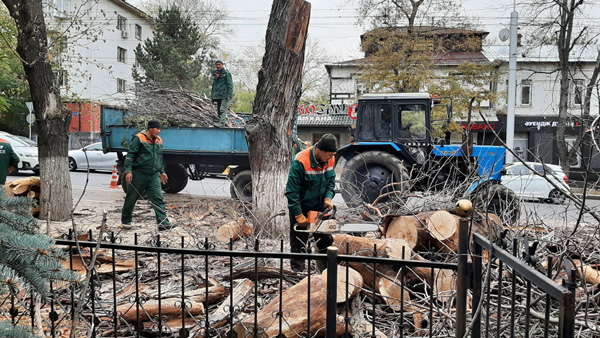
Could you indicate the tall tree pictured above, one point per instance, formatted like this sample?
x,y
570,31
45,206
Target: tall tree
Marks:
x,y
269,130
52,119
562,22
170,57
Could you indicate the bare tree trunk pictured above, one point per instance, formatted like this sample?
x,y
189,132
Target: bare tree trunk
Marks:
x,y
53,122
565,43
269,131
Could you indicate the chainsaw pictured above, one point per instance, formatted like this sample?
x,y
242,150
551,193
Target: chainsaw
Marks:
x,y
325,223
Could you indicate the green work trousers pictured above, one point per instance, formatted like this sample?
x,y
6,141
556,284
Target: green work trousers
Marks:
x,y
151,184
222,110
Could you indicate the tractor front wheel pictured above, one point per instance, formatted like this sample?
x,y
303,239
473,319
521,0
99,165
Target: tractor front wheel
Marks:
x,y
373,176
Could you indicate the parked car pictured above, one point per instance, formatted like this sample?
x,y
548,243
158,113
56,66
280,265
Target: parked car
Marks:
x,y
26,150
97,159
529,186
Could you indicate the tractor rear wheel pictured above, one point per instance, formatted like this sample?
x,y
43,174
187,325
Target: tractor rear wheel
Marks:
x,y
371,174
499,200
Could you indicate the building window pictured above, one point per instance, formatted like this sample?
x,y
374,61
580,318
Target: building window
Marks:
x,y
62,7
138,32
578,92
121,85
526,92
121,23
60,78
121,54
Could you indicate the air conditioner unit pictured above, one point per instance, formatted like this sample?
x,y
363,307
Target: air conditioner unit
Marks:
x,y
124,34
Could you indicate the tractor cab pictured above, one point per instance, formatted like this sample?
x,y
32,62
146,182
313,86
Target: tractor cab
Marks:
x,y
400,118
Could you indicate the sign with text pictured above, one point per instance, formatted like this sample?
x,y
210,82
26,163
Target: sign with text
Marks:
x,y
478,126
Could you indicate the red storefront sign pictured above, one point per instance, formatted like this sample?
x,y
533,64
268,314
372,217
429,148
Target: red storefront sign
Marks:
x,y
479,126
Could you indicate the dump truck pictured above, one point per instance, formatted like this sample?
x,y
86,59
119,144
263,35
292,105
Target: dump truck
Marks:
x,y
189,152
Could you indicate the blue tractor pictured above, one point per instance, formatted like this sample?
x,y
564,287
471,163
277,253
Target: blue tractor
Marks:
x,y
393,153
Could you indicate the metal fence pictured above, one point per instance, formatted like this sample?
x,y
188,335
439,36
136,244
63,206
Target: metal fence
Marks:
x,y
105,316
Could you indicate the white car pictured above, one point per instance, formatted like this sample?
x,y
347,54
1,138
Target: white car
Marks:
x,y
27,151
530,186
96,158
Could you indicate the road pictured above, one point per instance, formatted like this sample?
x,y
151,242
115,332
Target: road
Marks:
x,y
535,212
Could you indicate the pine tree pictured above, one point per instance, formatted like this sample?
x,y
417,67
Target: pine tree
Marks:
x,y
170,58
28,260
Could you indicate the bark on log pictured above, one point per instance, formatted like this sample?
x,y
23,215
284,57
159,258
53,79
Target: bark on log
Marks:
x,y
240,293
294,305
269,130
169,308
236,230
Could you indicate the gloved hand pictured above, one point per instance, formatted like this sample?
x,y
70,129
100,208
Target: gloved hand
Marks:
x,y
302,221
328,204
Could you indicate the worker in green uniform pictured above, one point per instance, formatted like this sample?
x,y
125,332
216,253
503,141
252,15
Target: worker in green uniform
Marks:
x,y
310,186
8,160
222,91
144,170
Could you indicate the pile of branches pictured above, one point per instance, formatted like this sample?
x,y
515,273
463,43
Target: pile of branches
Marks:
x,y
177,107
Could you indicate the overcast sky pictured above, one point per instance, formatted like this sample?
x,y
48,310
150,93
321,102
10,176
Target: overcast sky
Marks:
x,y
333,22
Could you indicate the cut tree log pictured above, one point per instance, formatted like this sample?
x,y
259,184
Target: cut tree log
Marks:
x,y
437,230
170,307
355,283
587,272
22,186
236,230
294,303
240,293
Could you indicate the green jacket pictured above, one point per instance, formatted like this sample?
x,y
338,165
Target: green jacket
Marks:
x,y
7,158
309,184
222,86
145,155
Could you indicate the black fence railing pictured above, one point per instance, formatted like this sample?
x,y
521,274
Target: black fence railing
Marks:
x,y
177,285
541,299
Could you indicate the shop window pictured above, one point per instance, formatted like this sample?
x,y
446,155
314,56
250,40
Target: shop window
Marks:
x,y
526,92
575,160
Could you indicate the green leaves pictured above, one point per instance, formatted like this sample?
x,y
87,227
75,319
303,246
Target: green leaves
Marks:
x,y
171,57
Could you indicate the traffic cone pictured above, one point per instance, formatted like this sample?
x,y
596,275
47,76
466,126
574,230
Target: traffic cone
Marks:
x,y
113,182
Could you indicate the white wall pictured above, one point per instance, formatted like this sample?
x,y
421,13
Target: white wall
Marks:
x,y
91,55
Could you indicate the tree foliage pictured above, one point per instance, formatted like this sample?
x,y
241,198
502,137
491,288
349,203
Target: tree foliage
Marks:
x,y
28,259
14,89
170,58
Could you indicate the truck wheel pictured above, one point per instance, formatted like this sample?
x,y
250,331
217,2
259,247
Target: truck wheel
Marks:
x,y
178,178
499,200
241,186
365,176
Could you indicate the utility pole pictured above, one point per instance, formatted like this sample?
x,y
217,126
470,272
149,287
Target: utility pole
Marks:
x,y
512,84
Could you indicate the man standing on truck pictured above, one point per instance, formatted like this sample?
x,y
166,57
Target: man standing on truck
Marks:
x,y
310,187
222,92
8,160
144,170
